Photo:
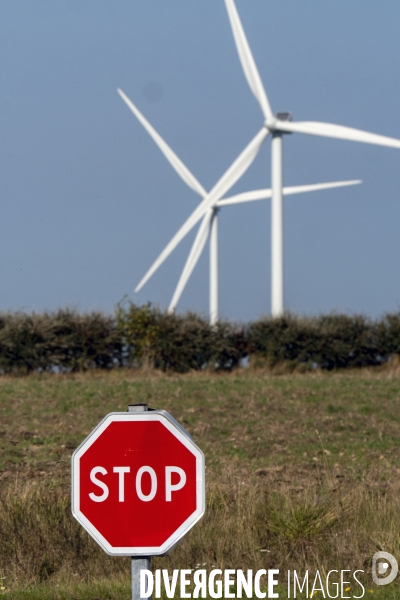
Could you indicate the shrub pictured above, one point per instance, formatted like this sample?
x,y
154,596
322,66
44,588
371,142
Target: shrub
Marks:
x,y
287,338
389,334
65,340
329,341
344,341
178,343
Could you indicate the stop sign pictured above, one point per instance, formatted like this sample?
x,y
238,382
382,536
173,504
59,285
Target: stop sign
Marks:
x,y
138,483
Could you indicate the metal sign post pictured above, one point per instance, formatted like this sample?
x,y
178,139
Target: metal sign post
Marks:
x,y
138,563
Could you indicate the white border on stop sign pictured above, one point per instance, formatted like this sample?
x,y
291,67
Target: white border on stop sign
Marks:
x,y
184,437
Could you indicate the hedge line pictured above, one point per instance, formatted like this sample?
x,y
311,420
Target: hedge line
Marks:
x,y
68,341
64,340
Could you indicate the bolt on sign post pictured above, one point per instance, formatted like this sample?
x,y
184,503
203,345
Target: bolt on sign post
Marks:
x,y
138,485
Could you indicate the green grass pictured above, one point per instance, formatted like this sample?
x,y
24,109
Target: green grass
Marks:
x,y
95,590
259,419
305,465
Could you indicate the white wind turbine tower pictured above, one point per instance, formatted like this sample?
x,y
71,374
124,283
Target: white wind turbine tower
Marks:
x,y
276,126
209,227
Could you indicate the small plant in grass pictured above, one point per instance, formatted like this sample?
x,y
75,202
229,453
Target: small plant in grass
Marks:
x,y
297,519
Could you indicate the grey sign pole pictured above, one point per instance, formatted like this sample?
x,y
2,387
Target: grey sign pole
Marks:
x,y
138,562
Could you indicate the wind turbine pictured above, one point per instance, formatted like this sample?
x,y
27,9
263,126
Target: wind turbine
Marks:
x,y
276,125
209,226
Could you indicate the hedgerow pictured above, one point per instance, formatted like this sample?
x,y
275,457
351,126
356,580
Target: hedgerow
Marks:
x,y
136,336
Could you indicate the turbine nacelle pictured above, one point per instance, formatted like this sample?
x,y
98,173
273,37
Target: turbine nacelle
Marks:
x,y
284,116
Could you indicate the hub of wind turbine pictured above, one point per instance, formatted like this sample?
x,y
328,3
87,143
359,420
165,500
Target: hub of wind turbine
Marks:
x,y
272,123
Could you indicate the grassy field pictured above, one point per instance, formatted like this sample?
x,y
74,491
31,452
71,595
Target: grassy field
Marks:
x,y
303,472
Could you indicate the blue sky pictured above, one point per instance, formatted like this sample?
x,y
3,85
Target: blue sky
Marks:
x,y
88,201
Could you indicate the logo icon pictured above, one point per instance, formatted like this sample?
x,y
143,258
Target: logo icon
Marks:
x,y
381,564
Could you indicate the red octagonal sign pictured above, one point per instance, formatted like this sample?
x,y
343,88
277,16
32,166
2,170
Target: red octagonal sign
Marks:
x,y
138,483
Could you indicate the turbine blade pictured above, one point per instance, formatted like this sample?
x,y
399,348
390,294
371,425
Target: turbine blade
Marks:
x,y
246,197
247,60
339,132
301,189
230,177
287,191
194,255
169,154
